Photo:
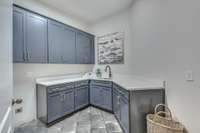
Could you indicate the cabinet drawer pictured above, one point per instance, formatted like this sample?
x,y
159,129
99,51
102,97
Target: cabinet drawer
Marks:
x,y
122,92
82,83
57,88
101,83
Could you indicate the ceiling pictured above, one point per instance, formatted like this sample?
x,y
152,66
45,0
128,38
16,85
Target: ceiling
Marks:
x,y
89,11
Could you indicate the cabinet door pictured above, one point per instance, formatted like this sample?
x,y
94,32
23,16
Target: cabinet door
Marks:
x,y
68,102
83,49
81,97
55,33
96,96
62,43
124,107
116,104
18,35
54,106
36,38
107,98
68,46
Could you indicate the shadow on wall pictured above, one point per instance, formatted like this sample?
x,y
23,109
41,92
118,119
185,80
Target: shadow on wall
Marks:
x,y
185,130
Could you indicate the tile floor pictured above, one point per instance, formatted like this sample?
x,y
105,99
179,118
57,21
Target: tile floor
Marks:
x,y
89,120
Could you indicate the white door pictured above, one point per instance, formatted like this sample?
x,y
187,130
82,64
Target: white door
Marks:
x,y
6,66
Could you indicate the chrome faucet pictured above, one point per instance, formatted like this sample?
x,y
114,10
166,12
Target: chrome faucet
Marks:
x,y
110,73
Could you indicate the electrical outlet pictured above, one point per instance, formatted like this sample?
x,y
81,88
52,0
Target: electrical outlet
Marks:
x,y
189,75
18,110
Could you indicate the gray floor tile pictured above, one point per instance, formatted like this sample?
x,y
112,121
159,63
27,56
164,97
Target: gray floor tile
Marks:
x,y
90,120
98,130
113,127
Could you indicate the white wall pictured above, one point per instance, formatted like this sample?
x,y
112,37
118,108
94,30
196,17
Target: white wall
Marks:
x,y
116,23
24,74
165,38
6,82
162,42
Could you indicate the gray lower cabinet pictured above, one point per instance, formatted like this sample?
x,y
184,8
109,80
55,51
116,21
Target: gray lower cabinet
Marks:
x,y
124,113
131,107
121,106
81,97
116,104
54,102
96,95
68,101
101,94
106,99
54,106
57,101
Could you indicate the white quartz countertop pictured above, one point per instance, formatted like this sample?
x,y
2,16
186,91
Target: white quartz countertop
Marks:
x,y
128,82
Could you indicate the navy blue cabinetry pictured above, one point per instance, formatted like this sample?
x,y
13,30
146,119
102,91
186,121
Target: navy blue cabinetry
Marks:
x,y
61,40
29,37
54,106
96,95
81,94
84,48
121,106
68,101
116,103
38,39
130,107
54,102
101,94
18,35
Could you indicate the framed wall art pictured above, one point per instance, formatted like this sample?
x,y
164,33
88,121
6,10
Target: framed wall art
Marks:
x,y
111,48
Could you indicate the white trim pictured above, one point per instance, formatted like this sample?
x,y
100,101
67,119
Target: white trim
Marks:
x,y
9,129
5,118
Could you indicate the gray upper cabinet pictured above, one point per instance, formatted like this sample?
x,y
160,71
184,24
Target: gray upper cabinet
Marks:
x,y
62,43
18,35
84,48
36,38
29,37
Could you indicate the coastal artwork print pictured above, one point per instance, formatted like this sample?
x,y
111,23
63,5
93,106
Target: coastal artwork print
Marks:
x,y
111,48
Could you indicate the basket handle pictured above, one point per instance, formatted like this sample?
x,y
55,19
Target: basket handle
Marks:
x,y
167,112
162,112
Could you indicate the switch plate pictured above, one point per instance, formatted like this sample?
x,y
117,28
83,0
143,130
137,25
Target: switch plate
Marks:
x,y
189,75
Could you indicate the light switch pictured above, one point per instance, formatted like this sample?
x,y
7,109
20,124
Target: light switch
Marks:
x,y
189,75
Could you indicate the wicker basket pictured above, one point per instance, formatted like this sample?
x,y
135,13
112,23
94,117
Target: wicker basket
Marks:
x,y
159,124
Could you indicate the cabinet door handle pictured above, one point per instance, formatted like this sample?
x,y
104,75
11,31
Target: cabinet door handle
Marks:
x,y
29,57
24,56
62,98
